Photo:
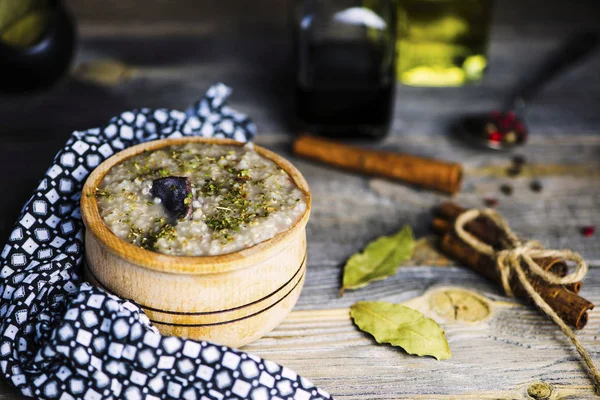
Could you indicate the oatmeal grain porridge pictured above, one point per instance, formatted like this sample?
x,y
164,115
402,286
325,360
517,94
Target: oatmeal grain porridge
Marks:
x,y
198,199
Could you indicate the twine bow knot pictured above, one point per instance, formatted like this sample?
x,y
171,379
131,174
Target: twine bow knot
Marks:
x,y
510,261
517,252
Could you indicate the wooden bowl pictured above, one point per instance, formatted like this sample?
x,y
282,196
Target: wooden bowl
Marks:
x,y
232,299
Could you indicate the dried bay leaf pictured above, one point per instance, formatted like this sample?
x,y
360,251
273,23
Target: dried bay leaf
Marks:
x,y
401,326
379,260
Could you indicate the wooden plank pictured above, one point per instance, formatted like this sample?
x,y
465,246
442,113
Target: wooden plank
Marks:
x,y
221,17
515,17
7,392
178,48
498,357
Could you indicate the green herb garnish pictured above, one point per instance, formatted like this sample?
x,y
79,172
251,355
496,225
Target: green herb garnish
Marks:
x,y
164,172
101,193
211,187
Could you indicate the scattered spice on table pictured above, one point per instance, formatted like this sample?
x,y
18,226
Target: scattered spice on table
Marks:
x,y
516,167
536,186
519,160
490,202
506,189
505,127
513,171
588,231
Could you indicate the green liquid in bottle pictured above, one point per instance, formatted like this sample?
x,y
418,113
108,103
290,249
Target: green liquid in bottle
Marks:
x,y
23,22
37,41
442,42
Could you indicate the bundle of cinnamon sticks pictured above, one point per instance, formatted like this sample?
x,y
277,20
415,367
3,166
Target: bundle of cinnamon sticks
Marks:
x,y
563,299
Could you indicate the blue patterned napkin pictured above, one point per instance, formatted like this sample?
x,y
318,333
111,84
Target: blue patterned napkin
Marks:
x,y
64,339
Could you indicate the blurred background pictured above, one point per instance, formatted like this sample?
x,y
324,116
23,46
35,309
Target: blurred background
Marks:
x,y
136,53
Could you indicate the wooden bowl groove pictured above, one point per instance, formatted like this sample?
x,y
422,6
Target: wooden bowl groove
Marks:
x,y
230,299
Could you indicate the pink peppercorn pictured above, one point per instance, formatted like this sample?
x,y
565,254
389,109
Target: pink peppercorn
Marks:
x,y
588,231
495,137
490,202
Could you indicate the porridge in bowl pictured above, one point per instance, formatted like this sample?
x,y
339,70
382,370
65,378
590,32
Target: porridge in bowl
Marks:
x,y
198,199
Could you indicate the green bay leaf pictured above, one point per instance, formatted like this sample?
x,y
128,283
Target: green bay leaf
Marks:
x,y
401,326
379,260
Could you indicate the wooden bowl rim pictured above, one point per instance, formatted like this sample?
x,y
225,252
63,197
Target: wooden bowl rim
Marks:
x,y
186,264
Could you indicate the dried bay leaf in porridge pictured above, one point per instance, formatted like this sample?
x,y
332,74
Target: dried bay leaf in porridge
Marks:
x,y
401,326
379,260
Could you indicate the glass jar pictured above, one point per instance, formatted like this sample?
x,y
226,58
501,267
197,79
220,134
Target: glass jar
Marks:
x,y
442,42
345,58
37,42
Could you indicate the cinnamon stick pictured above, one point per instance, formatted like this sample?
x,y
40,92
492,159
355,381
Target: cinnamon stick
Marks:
x,y
441,225
481,227
489,233
424,172
552,264
567,304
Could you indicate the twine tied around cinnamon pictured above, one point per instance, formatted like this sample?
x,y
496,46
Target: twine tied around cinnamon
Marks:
x,y
510,261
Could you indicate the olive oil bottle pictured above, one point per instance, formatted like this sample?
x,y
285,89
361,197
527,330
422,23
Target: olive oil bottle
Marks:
x,y
442,42
37,42
345,67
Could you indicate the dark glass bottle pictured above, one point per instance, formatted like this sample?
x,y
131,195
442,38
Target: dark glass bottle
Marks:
x,y
345,57
34,64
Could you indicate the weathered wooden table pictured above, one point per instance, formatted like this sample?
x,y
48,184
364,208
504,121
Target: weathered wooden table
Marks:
x,y
171,51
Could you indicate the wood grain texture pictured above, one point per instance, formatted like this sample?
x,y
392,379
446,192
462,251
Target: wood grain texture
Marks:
x,y
494,358
178,48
